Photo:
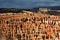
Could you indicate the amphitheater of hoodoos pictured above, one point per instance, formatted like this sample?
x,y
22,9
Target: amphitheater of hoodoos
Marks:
x,y
29,26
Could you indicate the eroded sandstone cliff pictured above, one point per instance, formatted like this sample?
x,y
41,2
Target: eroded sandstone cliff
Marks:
x,y
29,26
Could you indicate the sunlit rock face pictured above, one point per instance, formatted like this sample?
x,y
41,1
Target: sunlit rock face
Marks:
x,y
29,26
28,3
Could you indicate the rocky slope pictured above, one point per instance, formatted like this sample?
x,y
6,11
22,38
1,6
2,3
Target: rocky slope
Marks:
x,y
29,26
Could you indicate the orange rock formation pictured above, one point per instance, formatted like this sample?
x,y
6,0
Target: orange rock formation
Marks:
x,y
33,26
